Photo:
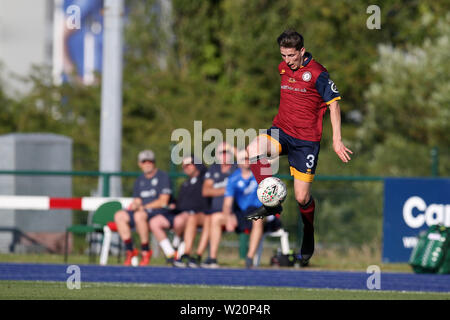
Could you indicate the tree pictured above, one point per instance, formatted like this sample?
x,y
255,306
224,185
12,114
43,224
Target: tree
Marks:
x,y
221,67
409,106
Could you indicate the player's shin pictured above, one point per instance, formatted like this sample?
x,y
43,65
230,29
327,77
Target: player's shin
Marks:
x,y
307,214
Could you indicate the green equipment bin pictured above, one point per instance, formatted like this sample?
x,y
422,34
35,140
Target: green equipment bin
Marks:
x,y
432,252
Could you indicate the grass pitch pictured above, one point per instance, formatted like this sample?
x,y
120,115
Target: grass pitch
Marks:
x,y
326,260
39,290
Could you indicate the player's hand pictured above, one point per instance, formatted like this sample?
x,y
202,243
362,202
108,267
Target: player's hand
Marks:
x,y
342,151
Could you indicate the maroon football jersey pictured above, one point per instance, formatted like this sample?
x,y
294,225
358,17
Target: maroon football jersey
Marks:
x,y
304,95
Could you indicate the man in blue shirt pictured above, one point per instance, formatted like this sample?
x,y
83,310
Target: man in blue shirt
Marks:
x,y
240,193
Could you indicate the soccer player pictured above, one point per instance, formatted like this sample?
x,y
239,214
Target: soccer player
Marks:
x,y
151,195
306,92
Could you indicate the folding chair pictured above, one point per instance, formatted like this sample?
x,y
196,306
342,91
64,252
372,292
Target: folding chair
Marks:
x,y
284,242
103,215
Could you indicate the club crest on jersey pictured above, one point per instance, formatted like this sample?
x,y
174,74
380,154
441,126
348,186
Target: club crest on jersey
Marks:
x,y
306,76
154,181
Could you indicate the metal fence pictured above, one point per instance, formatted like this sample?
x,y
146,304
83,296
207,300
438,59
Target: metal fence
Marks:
x,y
349,208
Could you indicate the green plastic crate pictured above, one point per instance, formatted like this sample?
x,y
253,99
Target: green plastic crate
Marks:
x,y
431,254
445,266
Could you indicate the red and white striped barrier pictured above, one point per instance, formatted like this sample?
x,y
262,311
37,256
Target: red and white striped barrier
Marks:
x,y
50,203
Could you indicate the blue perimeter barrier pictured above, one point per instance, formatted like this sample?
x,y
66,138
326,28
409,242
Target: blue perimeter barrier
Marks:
x,y
228,277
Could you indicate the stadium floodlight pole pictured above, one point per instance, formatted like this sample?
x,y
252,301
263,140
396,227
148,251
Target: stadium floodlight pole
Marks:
x,y
111,105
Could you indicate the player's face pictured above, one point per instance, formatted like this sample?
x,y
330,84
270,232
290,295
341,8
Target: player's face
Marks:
x,y
147,166
292,57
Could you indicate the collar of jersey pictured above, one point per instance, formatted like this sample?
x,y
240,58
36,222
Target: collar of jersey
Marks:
x,y
308,58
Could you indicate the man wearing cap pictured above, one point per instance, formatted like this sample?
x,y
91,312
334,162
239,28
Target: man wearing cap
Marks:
x,y
191,200
152,192
214,187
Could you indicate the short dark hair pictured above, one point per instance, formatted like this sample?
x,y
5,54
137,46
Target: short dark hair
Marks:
x,y
290,39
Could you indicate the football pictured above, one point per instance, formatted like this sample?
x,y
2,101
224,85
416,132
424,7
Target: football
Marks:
x,y
271,191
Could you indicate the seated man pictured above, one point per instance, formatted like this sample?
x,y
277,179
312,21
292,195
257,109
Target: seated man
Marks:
x,y
241,189
214,187
151,195
167,219
191,200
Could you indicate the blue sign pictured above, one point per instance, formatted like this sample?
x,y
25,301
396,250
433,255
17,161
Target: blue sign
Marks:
x,y
412,205
83,45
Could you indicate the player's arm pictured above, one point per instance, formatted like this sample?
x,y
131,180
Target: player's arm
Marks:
x,y
135,204
227,206
226,211
164,196
137,201
208,189
330,94
335,116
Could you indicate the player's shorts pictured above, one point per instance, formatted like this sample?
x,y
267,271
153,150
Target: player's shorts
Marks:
x,y
302,155
244,225
166,213
188,211
151,213
212,210
272,224
215,206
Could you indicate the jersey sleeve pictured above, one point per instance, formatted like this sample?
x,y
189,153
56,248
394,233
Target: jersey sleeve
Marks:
x,y
326,88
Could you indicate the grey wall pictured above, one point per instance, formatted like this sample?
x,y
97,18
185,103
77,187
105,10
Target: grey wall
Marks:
x,y
39,151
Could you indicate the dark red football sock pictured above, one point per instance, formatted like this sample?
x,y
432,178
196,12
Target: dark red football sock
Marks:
x,y
261,169
145,247
307,213
128,244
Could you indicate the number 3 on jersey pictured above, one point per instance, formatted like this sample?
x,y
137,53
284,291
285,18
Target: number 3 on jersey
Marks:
x,y
310,163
